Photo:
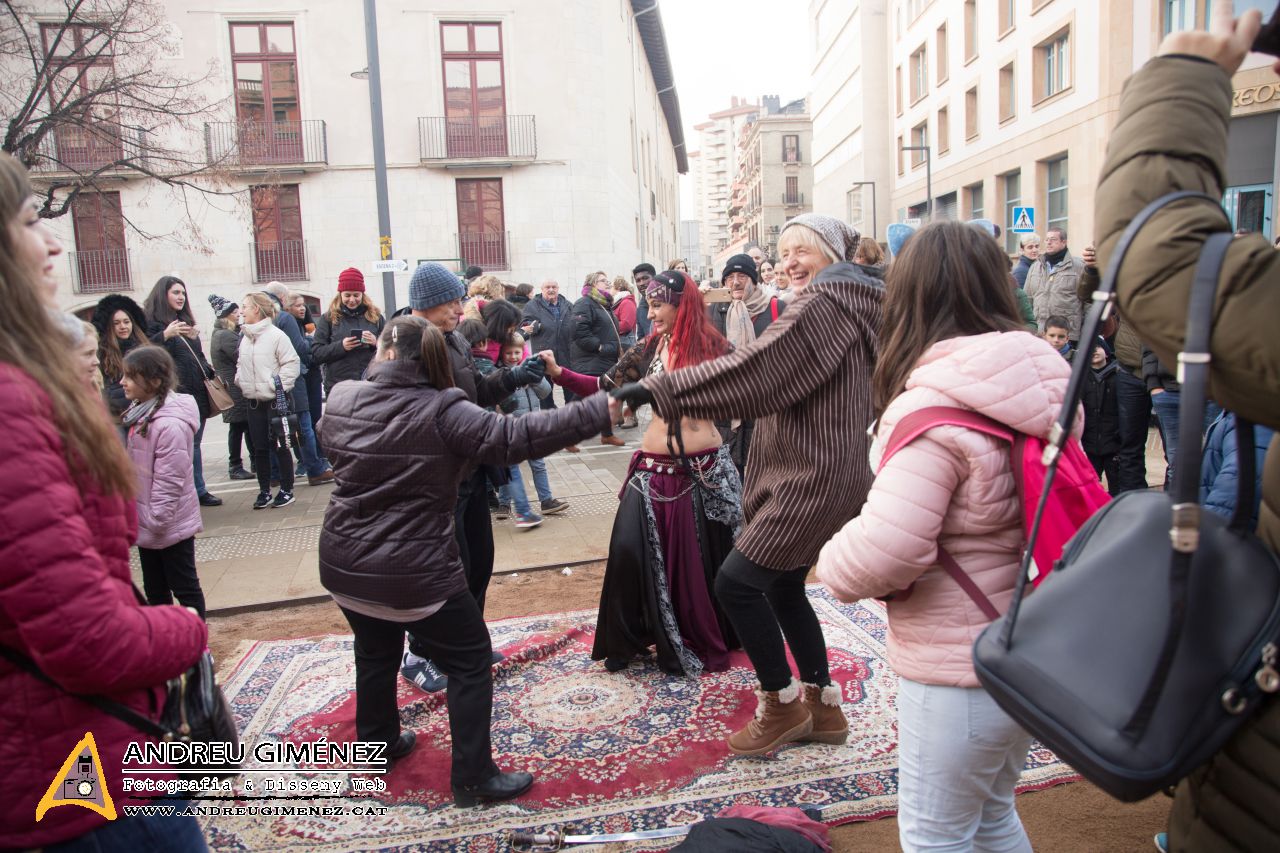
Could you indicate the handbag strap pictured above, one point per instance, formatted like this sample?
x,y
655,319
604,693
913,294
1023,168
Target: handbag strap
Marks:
x,y
123,713
1099,310
208,374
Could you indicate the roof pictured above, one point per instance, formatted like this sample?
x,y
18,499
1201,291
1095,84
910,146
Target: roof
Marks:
x,y
649,21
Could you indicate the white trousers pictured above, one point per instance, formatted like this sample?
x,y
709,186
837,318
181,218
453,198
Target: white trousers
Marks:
x,y
959,758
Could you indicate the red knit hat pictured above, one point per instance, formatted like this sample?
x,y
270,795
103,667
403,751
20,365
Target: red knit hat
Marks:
x,y
351,280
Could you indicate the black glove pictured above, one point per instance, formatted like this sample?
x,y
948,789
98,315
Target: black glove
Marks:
x,y
528,372
633,394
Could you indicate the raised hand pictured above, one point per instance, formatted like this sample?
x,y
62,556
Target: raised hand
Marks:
x,y
1226,43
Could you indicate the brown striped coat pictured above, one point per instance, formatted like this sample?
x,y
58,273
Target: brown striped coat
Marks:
x,y
807,382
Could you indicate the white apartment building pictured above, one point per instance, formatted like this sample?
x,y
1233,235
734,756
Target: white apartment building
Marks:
x,y
718,168
849,102
535,140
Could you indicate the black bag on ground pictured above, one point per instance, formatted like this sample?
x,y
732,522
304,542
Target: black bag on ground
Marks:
x,y
1155,636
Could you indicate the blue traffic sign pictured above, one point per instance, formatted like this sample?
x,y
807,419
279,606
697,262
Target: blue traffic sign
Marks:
x,y
1024,220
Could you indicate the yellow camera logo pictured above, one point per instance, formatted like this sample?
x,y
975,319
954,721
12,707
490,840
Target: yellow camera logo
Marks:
x,y
79,783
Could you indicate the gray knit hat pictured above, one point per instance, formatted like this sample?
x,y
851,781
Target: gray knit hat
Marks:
x,y
432,284
840,238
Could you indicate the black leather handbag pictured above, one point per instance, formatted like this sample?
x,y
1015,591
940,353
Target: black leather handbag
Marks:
x,y
1156,635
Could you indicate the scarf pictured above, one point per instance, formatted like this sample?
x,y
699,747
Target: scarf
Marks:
x,y
1052,259
604,300
139,414
737,321
353,313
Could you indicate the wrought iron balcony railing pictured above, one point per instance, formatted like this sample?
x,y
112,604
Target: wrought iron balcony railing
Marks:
x,y
285,260
793,199
503,137
486,249
100,271
89,147
266,143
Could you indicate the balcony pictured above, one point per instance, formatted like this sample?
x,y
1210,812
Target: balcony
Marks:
x,y
285,260
264,145
444,141
485,249
793,199
71,149
100,271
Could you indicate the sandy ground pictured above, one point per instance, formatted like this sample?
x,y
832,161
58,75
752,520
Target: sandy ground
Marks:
x,y
1074,817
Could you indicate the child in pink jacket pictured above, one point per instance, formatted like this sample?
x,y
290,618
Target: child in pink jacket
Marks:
x,y
952,339
161,426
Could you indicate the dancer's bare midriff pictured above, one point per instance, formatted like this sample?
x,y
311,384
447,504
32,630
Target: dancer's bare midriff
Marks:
x,y
698,436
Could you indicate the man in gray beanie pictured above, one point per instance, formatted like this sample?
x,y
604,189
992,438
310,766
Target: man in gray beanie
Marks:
x,y
435,294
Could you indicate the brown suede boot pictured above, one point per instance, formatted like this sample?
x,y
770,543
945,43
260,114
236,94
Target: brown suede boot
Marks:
x,y
829,723
781,717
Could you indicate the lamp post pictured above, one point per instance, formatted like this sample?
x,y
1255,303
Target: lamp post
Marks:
x,y
875,228
928,176
379,152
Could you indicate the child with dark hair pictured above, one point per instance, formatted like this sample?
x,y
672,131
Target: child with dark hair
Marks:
x,y
1101,436
161,425
1057,332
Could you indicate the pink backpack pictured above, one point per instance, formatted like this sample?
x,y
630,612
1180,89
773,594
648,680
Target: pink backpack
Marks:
x,y
1074,496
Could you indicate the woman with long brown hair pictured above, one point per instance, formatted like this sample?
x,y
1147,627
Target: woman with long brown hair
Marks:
x,y
67,606
400,442
953,338
121,326
347,333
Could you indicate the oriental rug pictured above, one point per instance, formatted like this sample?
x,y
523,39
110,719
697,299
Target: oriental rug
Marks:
x,y
610,752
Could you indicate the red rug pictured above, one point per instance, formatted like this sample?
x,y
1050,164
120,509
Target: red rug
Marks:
x,y
611,752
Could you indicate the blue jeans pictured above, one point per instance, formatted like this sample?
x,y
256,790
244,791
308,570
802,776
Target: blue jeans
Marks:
x,y
514,492
1166,409
141,834
197,463
959,757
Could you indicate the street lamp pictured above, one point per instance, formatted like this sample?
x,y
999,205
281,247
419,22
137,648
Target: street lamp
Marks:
x,y
928,174
875,228
373,72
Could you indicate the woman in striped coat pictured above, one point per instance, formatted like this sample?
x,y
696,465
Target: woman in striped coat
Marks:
x,y
806,381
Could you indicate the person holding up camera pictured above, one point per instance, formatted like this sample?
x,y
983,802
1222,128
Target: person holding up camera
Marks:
x,y
1172,135
347,334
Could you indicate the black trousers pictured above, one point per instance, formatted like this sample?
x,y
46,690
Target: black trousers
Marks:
x,y
259,423
473,530
456,639
765,605
239,432
170,572
1134,402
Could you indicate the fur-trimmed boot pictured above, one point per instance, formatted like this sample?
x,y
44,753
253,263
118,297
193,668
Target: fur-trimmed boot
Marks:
x,y
781,717
829,723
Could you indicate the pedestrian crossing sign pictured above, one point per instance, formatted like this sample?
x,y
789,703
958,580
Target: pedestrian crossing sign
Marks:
x,y
1024,220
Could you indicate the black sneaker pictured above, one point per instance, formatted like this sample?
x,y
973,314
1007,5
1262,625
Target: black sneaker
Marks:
x,y
237,472
283,498
263,501
553,506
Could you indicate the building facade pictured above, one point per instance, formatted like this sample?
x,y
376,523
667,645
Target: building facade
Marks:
x,y
849,101
489,159
718,167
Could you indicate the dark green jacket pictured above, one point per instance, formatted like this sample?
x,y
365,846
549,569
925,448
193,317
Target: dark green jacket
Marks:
x,y
1172,135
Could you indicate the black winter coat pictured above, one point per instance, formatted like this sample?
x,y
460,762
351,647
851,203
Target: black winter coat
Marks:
x,y
400,448
1156,375
596,344
117,402
718,312
224,349
551,332
193,367
341,364
1101,436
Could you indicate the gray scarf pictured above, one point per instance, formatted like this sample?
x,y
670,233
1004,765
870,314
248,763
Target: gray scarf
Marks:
x,y
140,414
737,320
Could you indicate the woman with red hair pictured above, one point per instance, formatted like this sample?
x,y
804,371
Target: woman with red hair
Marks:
x,y
681,507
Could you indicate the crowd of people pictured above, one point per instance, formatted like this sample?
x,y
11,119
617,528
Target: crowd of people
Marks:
x,y
773,394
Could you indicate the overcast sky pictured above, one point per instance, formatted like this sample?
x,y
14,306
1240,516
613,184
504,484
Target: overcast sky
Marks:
x,y
722,48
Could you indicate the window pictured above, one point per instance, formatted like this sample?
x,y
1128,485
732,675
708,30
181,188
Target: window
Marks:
x,y
971,123
970,30
1005,12
1178,15
945,207
791,148
475,105
944,130
793,191
897,89
919,139
919,74
1008,94
941,53
279,251
81,58
1012,198
898,151
1056,173
974,201
265,68
101,262
1053,65
482,231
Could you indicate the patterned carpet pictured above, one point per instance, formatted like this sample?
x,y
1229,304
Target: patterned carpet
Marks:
x,y
611,752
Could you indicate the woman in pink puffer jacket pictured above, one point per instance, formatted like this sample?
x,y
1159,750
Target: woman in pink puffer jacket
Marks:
x,y
161,426
953,340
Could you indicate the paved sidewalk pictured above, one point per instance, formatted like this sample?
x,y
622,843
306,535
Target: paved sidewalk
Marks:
x,y
246,557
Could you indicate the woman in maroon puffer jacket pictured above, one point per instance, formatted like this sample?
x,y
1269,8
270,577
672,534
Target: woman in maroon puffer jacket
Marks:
x,y
66,598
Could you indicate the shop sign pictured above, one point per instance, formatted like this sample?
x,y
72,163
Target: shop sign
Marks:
x,y
1256,98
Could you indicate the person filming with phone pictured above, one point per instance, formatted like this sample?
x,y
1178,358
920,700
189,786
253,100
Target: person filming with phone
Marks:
x,y
1172,135
347,333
